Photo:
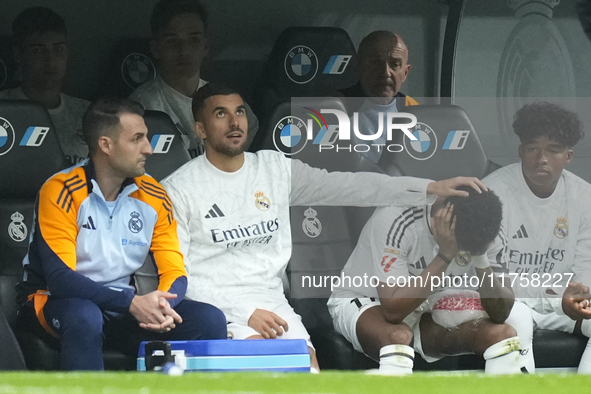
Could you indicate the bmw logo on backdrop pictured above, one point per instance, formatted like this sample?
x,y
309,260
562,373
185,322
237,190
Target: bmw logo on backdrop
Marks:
x,y
425,145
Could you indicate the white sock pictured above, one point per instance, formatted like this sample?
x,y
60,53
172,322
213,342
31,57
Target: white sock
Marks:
x,y
521,320
502,358
314,371
396,360
585,364
586,328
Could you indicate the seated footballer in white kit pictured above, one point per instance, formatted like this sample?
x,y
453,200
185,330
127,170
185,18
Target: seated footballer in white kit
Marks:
x,y
548,220
232,210
410,303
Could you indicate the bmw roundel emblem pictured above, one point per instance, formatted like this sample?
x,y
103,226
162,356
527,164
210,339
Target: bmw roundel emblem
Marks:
x,y
136,69
301,64
425,144
289,135
7,136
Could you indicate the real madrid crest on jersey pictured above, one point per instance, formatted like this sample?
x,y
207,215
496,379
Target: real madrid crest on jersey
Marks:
x,y
463,258
17,229
136,69
311,225
301,64
425,144
561,228
6,136
135,224
261,202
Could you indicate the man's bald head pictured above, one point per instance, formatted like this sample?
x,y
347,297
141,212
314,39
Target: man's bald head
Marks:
x,y
382,63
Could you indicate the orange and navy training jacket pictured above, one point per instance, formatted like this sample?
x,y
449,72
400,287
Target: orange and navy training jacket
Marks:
x,y
357,91
85,247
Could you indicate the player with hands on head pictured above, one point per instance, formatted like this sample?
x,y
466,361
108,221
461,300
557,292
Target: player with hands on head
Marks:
x,y
418,305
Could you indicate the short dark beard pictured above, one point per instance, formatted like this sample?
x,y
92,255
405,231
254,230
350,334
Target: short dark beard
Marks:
x,y
228,150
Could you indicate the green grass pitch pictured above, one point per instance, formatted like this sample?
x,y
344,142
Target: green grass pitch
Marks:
x,y
262,383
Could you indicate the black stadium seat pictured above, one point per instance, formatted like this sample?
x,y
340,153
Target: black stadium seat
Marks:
x,y
7,64
305,62
447,145
169,152
129,65
554,349
29,154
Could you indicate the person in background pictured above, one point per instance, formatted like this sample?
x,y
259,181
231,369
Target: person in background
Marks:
x,y
179,43
40,41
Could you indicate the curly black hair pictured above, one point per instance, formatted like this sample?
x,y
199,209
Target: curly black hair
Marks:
x,y
478,219
546,119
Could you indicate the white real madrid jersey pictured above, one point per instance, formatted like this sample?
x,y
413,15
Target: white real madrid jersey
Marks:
x,y
395,245
234,227
546,236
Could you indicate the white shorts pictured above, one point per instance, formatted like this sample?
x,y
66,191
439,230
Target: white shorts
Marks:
x,y
346,311
296,329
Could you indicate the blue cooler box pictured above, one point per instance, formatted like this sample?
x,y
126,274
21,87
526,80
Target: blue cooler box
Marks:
x,y
277,355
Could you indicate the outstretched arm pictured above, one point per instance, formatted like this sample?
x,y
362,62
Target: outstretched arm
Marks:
x,y
313,186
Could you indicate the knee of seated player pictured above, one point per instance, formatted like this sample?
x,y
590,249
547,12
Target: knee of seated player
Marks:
x,y
374,332
216,325
491,333
400,334
86,320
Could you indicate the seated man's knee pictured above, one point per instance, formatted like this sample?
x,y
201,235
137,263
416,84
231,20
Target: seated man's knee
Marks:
x,y
400,334
498,332
218,326
213,323
86,320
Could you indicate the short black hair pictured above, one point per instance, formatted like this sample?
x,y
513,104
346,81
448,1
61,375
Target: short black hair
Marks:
x,y
36,20
478,219
550,120
207,91
165,10
102,118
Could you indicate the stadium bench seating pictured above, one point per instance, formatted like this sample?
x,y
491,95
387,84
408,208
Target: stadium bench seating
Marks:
x,y
169,153
305,62
168,150
29,154
129,65
448,146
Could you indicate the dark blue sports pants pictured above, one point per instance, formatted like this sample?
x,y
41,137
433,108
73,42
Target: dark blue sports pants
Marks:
x,y
84,330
